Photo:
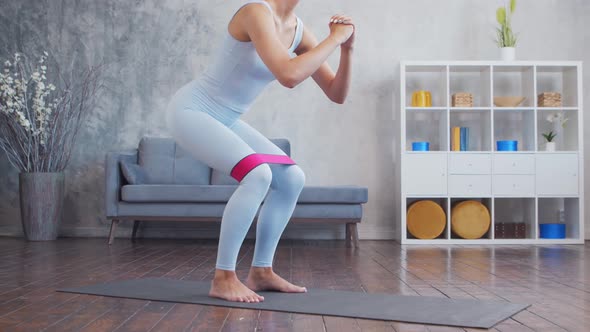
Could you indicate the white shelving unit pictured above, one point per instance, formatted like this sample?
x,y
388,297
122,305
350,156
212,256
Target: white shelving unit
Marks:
x,y
529,185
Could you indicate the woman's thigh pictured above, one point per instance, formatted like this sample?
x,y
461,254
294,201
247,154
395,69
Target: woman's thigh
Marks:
x,y
207,139
256,141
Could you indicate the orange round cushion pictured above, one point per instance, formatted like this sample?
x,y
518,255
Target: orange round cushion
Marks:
x,y
470,219
426,220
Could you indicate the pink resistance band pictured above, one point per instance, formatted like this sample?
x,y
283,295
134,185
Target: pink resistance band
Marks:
x,y
244,166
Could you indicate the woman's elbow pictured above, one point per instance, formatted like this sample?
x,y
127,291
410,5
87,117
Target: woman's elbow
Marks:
x,y
288,81
338,99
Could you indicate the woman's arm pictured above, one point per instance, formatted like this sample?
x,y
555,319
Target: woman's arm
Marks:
x,y
259,24
335,86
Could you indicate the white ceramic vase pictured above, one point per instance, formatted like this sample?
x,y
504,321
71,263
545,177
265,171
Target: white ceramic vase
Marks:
x,y
508,53
550,146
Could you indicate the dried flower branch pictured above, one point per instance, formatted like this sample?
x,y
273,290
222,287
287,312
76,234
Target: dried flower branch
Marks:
x,y
39,123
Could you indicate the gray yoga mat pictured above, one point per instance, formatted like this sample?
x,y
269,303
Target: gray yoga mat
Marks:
x,y
412,309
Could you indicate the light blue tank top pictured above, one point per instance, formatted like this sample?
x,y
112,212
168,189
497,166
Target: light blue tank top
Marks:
x,y
237,74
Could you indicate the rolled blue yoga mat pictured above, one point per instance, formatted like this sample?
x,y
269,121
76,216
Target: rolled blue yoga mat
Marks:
x,y
420,146
552,231
507,145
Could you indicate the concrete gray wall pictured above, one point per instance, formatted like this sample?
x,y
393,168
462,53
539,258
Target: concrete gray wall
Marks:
x,y
155,46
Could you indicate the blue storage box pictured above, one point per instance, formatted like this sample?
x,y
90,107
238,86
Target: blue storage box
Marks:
x,y
552,231
420,146
507,145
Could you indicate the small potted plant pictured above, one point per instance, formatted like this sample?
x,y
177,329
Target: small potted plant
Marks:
x,y
550,144
558,121
505,37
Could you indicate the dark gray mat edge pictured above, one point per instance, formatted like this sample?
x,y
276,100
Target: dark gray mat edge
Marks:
x,y
491,320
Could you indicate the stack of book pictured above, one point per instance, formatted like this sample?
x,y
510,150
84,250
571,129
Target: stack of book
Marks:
x,y
549,99
510,230
460,139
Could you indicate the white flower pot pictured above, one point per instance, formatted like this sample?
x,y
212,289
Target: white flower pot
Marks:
x,y
508,53
550,146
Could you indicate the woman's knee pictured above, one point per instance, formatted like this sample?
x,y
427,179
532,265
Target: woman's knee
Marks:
x,y
260,176
291,178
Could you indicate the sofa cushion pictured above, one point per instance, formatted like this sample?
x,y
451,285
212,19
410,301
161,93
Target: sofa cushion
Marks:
x,y
220,178
215,210
165,162
222,193
133,173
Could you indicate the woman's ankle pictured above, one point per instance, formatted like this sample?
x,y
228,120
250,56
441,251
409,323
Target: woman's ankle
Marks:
x,y
261,270
225,275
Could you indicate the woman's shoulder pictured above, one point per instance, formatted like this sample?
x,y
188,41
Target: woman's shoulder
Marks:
x,y
255,6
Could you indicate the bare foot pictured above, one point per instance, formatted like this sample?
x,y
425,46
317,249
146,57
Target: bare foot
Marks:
x,y
227,286
264,278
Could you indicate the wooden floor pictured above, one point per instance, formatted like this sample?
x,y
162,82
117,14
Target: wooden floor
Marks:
x,y
555,279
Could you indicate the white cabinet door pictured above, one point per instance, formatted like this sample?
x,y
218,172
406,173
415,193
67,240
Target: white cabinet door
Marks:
x,y
470,163
425,174
470,185
507,163
514,185
557,174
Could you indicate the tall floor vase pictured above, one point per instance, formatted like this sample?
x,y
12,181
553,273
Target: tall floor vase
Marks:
x,y
41,203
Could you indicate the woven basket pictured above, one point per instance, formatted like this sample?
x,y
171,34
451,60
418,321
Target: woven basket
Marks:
x,y
462,99
549,99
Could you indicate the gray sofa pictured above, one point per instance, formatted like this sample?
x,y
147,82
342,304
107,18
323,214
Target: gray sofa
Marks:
x,y
160,181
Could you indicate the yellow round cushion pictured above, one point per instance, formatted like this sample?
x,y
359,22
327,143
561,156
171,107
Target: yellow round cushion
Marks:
x,y
470,219
426,219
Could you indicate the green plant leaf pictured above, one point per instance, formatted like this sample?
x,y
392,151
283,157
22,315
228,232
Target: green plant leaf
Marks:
x,y
512,6
501,15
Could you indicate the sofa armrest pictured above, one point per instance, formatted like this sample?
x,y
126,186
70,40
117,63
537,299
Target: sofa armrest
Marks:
x,y
114,179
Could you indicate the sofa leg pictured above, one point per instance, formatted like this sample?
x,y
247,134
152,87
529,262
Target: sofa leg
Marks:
x,y
348,235
114,224
355,234
135,227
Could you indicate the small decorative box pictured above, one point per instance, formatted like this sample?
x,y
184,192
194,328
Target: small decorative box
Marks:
x,y
549,99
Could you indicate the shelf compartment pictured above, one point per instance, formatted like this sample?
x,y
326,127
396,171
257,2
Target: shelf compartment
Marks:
x,y
486,201
442,202
473,79
562,79
512,80
567,138
429,78
561,210
510,214
427,125
479,124
515,124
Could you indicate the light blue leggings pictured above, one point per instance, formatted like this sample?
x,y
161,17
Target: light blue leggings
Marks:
x,y
221,146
